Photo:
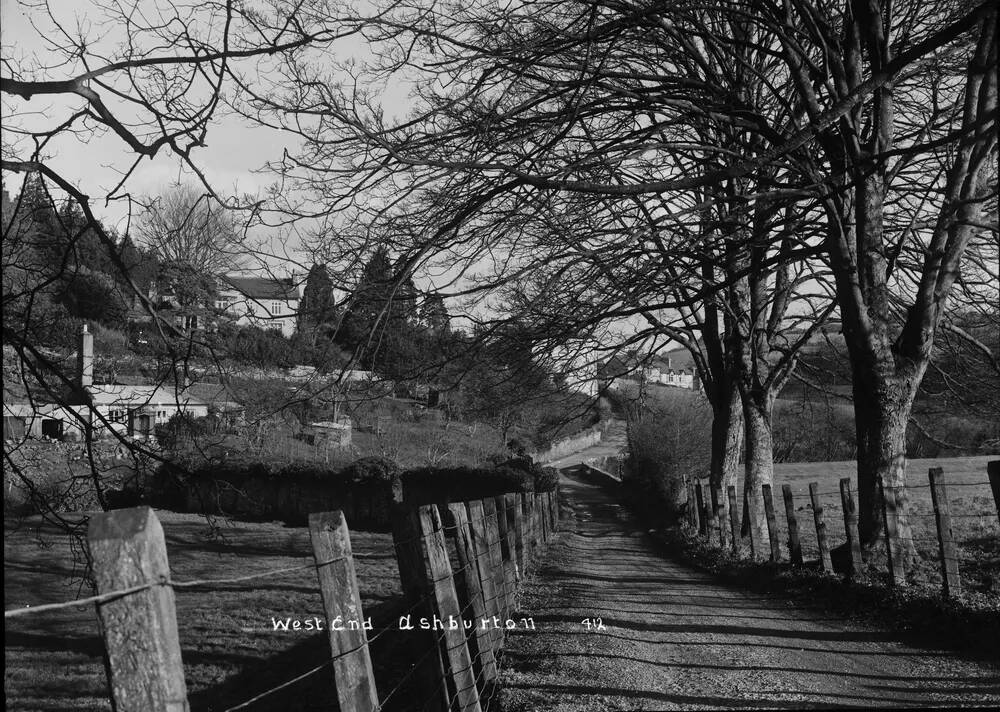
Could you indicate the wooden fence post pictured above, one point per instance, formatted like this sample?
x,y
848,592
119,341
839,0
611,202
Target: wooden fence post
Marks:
x,y
471,579
507,551
543,525
721,517
772,522
734,518
487,579
951,579
542,516
692,510
993,470
556,523
142,647
442,586
851,526
514,529
520,534
530,542
894,553
430,672
714,527
824,546
794,545
536,526
338,582
699,496
496,557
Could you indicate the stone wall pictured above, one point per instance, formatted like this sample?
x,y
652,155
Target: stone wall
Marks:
x,y
569,445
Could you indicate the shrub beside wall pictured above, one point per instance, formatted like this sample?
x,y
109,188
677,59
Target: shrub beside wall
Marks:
x,y
667,446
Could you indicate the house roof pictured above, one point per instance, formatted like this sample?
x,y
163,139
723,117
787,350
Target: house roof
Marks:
x,y
616,367
212,393
680,359
263,287
626,366
121,395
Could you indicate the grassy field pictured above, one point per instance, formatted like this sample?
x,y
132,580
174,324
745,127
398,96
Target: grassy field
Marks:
x,y
974,514
53,660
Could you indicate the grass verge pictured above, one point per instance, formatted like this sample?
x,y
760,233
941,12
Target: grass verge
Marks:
x,y
969,623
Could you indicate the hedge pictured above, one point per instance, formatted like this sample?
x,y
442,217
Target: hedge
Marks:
x,y
365,489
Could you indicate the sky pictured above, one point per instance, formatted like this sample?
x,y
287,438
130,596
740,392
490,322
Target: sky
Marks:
x,y
232,152
235,150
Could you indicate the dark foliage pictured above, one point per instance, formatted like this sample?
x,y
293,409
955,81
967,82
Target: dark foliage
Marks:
x,y
371,469
459,484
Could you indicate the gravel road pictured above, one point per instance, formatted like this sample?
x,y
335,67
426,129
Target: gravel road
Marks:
x,y
674,638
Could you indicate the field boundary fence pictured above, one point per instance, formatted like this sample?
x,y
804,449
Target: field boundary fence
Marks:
x,y
716,519
460,565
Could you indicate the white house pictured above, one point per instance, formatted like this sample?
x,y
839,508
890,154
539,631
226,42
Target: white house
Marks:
x,y
36,420
132,409
141,408
270,303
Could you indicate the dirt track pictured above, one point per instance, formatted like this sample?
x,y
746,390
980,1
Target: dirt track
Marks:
x,y
676,639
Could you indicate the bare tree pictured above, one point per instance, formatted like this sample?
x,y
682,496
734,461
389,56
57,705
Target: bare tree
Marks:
x,y
146,79
883,113
186,225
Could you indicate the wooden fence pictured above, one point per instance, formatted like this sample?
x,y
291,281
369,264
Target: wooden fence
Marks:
x,y
460,565
716,519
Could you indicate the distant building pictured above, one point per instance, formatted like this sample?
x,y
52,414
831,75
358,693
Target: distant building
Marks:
x,y
135,410
141,408
23,419
673,368
328,434
270,303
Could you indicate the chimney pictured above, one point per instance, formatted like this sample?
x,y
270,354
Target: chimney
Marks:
x,y
85,358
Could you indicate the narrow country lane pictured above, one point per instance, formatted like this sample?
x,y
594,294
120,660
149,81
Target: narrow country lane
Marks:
x,y
676,639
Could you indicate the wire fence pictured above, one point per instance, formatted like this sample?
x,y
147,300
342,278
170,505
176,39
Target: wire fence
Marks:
x,y
941,527
459,566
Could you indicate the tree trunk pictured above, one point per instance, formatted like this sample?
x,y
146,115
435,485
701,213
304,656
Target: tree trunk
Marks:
x,y
727,438
881,414
759,469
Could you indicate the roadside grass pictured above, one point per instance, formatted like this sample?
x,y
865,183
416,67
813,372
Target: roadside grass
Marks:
x,y
969,624
231,652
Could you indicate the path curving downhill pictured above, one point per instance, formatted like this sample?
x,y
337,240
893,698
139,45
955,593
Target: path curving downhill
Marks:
x,y
676,638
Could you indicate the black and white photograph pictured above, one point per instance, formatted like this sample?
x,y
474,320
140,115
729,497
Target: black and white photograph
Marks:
x,y
500,355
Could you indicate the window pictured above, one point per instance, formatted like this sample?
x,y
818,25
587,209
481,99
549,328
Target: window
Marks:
x,y
275,308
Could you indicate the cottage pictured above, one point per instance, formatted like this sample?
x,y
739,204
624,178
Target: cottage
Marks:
x,y
135,410
141,408
270,303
